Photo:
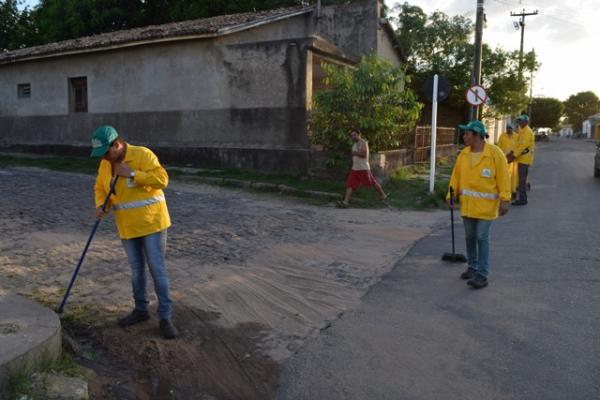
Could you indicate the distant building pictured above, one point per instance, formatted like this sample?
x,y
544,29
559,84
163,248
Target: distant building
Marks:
x,y
591,127
227,91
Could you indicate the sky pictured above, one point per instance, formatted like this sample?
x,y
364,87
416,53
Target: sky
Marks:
x,y
564,34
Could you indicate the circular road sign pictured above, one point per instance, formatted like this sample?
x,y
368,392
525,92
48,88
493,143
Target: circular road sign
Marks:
x,y
476,95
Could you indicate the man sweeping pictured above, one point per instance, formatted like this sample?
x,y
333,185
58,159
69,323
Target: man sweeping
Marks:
x,y
141,216
480,179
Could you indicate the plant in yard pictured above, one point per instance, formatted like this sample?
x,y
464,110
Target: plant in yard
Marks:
x,y
374,97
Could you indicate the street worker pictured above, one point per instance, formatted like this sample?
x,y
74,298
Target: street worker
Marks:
x,y
141,216
481,182
360,174
507,142
523,154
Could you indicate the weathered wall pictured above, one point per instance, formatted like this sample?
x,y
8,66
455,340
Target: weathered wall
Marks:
x,y
385,49
352,27
184,94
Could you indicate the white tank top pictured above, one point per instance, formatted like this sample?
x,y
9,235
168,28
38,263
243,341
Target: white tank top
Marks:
x,y
359,163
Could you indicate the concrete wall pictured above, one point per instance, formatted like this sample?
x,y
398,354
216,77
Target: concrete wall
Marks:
x,y
385,49
352,27
182,94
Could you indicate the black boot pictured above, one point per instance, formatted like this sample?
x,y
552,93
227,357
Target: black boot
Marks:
x,y
167,329
133,318
468,274
478,282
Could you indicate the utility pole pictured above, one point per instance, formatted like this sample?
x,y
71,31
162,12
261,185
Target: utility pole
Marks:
x,y
522,24
476,75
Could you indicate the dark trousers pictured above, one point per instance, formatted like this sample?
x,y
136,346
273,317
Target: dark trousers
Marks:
x,y
522,188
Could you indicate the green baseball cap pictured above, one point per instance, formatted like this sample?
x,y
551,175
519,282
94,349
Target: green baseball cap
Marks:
x,y
523,118
102,138
475,126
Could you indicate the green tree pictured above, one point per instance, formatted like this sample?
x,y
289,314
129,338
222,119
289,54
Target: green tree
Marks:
x,y
374,97
16,29
546,112
440,44
580,106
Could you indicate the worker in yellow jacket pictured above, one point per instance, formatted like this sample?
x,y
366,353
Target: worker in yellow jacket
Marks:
x,y
523,155
141,215
507,142
481,182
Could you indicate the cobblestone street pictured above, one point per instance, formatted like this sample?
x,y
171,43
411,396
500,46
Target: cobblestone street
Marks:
x,y
286,267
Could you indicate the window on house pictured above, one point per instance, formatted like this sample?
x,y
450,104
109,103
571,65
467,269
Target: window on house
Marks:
x,y
78,101
24,90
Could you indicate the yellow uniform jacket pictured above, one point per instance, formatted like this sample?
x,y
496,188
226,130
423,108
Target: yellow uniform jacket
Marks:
x,y
138,203
525,146
481,184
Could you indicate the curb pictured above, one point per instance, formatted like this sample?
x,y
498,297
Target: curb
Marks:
x,y
272,187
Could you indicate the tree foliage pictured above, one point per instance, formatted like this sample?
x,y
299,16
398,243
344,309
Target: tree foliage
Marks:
x,y
374,97
16,29
580,106
440,44
546,112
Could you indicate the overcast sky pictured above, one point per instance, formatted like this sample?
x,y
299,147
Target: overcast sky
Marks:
x,y
564,34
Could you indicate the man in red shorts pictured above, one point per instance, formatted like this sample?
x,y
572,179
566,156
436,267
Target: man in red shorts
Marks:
x,y
360,175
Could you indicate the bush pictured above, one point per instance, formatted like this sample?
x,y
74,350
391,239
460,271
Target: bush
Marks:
x,y
374,97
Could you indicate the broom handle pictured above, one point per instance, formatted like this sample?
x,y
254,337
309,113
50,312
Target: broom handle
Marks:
x,y
61,307
452,217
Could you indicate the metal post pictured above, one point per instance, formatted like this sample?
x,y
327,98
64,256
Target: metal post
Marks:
x,y
434,105
476,76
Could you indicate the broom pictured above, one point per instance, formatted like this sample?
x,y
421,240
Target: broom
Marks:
x,y
453,257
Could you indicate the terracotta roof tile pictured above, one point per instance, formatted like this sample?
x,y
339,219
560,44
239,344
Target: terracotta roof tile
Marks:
x,y
208,26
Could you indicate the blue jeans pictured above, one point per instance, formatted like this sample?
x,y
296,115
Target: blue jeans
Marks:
x,y
477,235
150,249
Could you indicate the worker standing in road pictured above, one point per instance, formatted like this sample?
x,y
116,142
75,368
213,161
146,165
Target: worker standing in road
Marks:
x,y
507,142
480,180
142,218
523,154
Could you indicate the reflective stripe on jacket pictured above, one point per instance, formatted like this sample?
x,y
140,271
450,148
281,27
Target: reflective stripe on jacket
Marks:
x,y
139,204
525,146
482,186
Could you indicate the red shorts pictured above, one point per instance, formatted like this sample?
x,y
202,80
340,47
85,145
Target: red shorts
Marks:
x,y
357,179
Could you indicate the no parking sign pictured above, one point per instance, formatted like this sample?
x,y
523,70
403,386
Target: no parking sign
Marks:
x,y
476,95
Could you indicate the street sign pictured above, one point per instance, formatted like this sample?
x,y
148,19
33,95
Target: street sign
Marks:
x,y
476,95
443,88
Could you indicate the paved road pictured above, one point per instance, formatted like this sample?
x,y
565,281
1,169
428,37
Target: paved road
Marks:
x,y
534,333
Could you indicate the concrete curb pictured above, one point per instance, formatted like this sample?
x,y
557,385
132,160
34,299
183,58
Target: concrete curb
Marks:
x,y
272,187
29,335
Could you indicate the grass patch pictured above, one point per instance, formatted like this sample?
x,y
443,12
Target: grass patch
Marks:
x,y
408,187
20,385
84,165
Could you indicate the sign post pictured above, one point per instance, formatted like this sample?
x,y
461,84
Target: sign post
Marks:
x,y
437,88
434,105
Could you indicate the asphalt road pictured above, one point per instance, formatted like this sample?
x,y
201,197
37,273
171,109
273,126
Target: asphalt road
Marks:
x,y
534,333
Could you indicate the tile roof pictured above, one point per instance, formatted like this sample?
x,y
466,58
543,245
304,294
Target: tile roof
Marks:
x,y
209,27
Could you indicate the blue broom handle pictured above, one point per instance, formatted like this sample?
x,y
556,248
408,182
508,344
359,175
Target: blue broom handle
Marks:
x,y
87,245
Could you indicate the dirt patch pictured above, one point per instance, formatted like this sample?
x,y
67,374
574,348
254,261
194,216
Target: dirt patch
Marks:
x,y
205,362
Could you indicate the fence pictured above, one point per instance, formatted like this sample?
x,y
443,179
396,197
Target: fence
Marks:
x,y
445,138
